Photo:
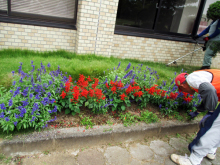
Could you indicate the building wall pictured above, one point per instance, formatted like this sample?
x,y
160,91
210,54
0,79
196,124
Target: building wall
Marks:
x,y
157,50
95,34
36,37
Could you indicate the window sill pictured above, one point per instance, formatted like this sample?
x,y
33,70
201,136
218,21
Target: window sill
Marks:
x,y
138,32
63,25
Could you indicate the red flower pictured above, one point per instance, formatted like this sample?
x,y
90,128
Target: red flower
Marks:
x,y
129,89
139,94
84,93
91,92
67,86
96,83
113,89
98,93
63,95
81,82
136,88
107,86
70,79
123,96
89,79
188,99
120,85
173,95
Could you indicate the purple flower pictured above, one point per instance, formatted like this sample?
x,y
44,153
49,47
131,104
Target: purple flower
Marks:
x,y
13,72
31,95
32,62
48,65
129,65
119,65
33,119
160,106
16,116
50,82
25,103
128,74
2,115
116,77
10,103
15,123
3,106
7,119
14,82
48,94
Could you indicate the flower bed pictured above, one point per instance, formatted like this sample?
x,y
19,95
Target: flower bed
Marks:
x,y
36,96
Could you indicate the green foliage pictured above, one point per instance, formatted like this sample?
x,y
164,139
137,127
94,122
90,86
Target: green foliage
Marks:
x,y
213,11
146,116
215,46
86,121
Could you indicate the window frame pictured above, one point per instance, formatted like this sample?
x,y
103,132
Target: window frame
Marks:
x,y
148,33
38,20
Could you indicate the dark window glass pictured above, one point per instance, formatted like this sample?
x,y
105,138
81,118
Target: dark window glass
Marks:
x,y
176,16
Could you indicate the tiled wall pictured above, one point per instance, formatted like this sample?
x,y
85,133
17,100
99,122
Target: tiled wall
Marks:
x,y
36,37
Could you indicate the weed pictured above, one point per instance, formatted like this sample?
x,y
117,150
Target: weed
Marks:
x,y
105,130
148,117
46,152
109,122
177,135
128,119
86,121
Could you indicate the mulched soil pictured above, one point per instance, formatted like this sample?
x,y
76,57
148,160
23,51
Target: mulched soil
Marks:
x,y
68,120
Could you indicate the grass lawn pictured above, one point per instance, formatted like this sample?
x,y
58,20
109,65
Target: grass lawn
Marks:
x,y
88,65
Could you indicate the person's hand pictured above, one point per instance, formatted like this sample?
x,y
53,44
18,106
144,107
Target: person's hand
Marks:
x,y
206,39
202,122
195,37
193,114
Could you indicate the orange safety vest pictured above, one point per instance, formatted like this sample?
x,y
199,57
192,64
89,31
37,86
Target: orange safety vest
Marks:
x,y
215,80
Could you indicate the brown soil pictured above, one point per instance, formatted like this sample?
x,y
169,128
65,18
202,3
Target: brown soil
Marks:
x,y
68,120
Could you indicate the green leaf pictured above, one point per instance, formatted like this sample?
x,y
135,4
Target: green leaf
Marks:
x,y
77,110
67,111
63,103
132,96
73,113
123,107
90,105
86,103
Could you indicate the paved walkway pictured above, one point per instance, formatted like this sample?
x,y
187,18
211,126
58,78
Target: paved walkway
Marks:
x,y
154,151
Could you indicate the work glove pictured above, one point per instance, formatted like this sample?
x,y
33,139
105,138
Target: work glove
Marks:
x,y
206,39
195,37
193,114
204,119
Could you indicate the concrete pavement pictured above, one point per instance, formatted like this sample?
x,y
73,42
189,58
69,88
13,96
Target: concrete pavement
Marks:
x,y
150,151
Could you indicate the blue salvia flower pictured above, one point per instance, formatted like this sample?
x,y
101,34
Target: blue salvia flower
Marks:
x,y
20,68
3,106
16,116
15,123
33,119
119,65
37,96
7,119
129,65
25,92
172,82
116,77
104,72
52,101
25,103
45,126
10,103
128,74
55,109
175,73
166,108
48,65
175,103
106,80
11,91
13,72
49,111
21,80
2,115
32,62
14,82
114,68
48,94
50,82
133,76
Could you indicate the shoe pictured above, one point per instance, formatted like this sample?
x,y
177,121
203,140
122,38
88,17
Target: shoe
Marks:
x,y
204,67
181,160
211,156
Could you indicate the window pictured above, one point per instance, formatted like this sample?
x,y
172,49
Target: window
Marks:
x,y
204,23
56,12
159,17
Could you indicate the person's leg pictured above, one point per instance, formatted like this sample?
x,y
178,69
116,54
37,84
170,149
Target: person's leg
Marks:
x,y
207,143
207,61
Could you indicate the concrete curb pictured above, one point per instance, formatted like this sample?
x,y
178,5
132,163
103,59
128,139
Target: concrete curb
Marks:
x,y
79,137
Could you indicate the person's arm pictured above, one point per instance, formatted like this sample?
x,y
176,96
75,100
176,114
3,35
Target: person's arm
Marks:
x,y
209,97
217,31
204,31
